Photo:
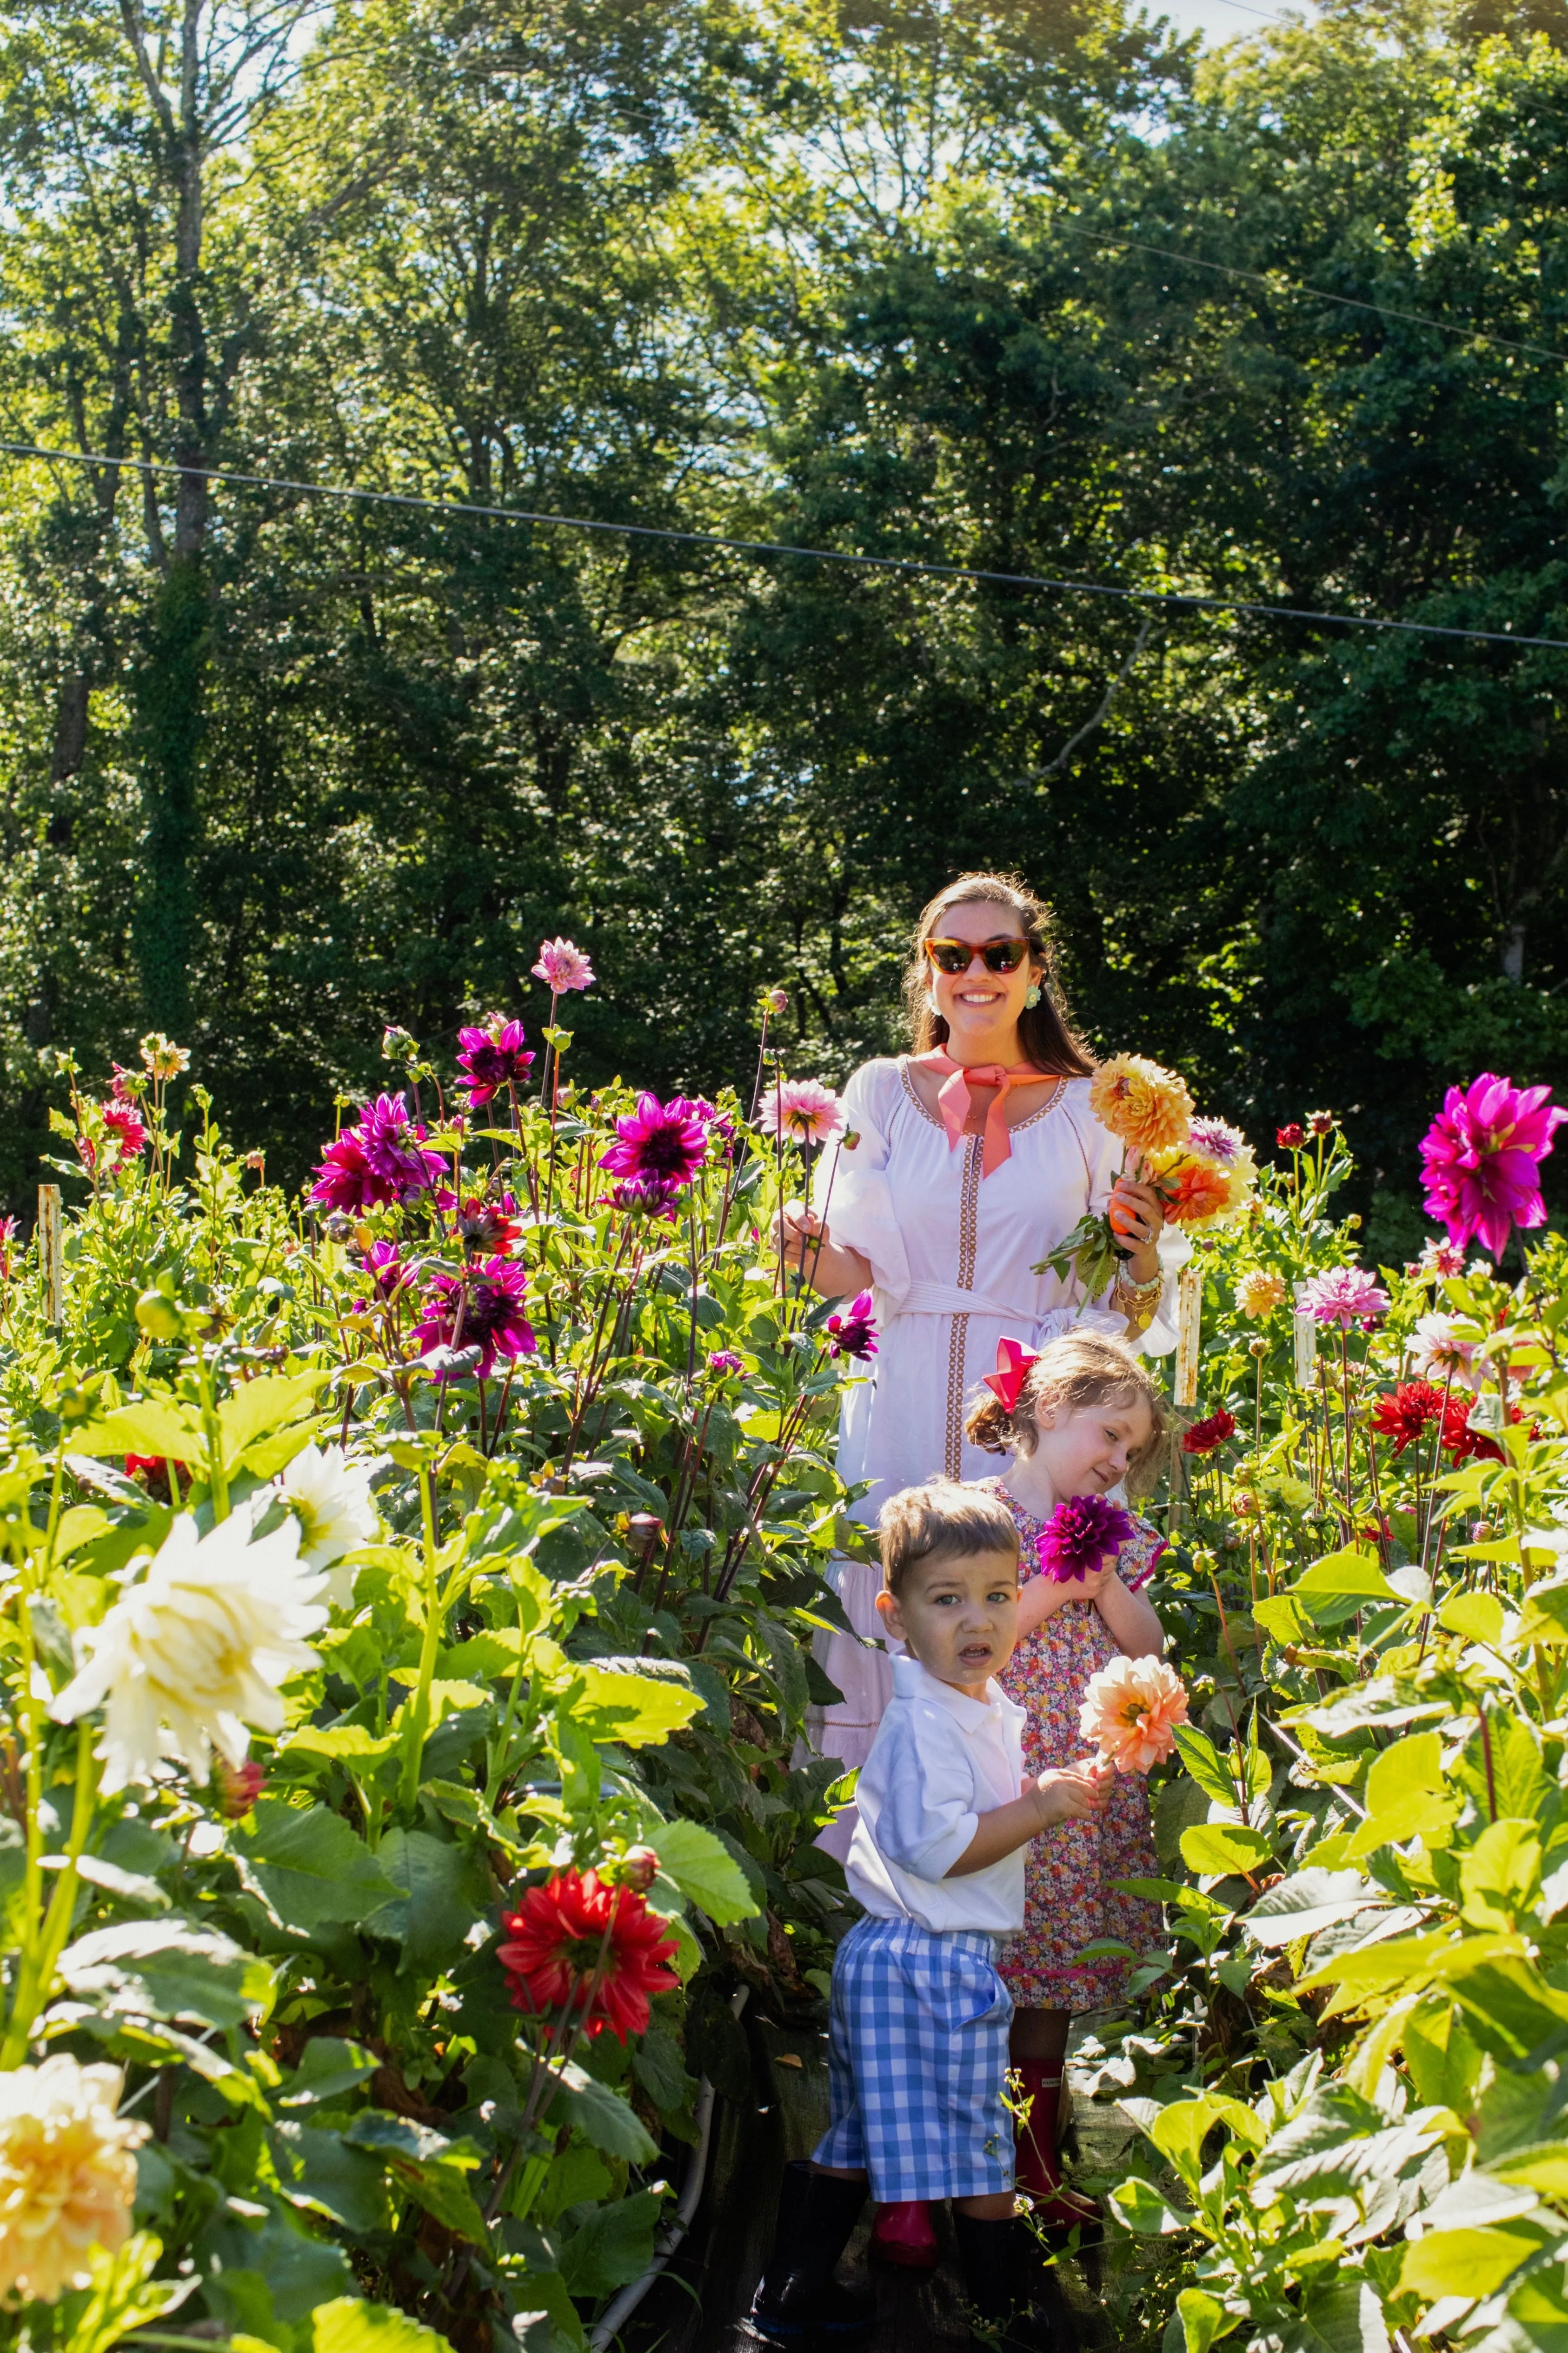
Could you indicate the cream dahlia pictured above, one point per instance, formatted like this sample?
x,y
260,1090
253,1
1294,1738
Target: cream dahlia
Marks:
x,y
68,2178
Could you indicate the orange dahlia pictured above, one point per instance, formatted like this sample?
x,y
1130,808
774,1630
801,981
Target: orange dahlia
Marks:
x,y
580,1945
1131,1710
1149,1108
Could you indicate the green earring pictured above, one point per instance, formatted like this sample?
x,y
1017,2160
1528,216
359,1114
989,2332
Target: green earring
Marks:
x,y
1033,997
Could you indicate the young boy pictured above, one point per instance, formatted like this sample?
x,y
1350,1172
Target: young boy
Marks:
x,y
918,2043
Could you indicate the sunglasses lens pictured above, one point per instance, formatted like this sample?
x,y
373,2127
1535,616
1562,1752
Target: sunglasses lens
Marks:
x,y
1004,955
948,955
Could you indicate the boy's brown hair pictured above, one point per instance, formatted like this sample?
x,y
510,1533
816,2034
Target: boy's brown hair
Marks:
x,y
943,1516
1076,1368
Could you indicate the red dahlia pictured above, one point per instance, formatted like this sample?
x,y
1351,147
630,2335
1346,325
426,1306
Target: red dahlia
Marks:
x,y
1291,1138
1205,1436
576,1928
1405,1412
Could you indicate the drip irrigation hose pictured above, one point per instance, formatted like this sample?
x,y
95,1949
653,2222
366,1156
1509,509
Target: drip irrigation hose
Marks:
x,y
604,2330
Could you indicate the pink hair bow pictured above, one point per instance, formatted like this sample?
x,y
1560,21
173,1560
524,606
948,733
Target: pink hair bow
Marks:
x,y
1012,1363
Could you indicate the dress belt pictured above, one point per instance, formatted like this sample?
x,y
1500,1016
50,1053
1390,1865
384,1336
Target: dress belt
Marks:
x,y
946,1298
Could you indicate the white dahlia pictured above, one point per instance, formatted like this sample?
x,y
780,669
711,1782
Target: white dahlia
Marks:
x,y
329,1497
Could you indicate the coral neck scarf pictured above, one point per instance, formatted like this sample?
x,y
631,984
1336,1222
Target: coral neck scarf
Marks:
x,y
953,1100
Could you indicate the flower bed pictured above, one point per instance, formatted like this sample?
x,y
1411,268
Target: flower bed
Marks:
x,y
409,1602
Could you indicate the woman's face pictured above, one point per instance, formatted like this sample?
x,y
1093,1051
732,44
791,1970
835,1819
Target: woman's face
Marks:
x,y
979,1004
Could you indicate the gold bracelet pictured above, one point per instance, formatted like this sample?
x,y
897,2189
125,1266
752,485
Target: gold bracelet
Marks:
x,y
1137,1300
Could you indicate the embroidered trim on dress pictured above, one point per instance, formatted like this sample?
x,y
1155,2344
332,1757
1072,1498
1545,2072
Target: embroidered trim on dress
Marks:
x,y
1016,1129
958,1337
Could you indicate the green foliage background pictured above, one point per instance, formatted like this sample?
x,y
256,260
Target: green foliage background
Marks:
x,y
278,769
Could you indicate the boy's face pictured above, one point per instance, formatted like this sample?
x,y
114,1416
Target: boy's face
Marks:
x,y
959,1614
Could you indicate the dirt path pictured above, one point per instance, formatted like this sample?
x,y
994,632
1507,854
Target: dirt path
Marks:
x,y
699,2305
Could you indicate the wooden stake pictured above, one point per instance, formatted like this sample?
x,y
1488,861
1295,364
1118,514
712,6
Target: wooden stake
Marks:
x,y
1189,1314
50,1257
1306,1344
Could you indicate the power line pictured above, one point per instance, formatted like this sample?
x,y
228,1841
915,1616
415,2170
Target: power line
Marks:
x,y
778,547
1299,286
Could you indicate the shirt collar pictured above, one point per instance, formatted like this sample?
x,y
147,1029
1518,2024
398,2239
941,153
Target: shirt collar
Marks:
x,y
911,1681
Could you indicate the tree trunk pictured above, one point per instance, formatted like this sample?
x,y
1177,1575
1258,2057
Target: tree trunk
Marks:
x,y
169,718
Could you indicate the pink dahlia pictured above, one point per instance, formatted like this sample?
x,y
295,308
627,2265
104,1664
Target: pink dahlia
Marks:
x,y
123,1120
488,1228
853,1332
1081,1536
380,1159
725,1360
562,967
1480,1159
492,1058
1346,1295
801,1111
664,1144
482,1310
384,1265
1439,1353
646,1196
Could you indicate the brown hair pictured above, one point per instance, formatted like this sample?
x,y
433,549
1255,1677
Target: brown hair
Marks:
x,y
943,1516
1077,1368
1046,1033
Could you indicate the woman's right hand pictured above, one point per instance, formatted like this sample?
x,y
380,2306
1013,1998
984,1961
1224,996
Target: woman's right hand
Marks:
x,y
804,1236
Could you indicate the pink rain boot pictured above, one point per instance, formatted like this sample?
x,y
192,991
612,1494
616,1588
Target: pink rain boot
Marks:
x,y
903,2235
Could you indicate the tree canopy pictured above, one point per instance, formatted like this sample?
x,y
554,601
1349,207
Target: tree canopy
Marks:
x,y
1029,288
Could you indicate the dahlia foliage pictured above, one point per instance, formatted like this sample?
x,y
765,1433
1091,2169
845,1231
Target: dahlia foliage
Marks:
x,y
410,1592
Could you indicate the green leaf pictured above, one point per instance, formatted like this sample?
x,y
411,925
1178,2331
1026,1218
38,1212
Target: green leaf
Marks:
x,y
635,1710
168,1969
1218,1848
1201,1759
152,1425
350,1742
261,1405
704,1870
1310,1900
348,2326
1179,2130
1479,1617
1202,2318
1538,2311
433,2170
328,2068
1344,1574
1143,2209
309,1869
1464,2262
614,2244
600,2116
1499,1875
440,1892
317,2169
1406,1796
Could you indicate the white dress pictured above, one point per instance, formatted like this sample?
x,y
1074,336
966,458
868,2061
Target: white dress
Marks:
x,y
950,1251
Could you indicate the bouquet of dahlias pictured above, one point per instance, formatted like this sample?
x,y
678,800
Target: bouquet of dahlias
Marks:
x,y
1202,1169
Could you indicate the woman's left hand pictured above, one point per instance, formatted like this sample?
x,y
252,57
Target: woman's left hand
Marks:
x,y
1137,1216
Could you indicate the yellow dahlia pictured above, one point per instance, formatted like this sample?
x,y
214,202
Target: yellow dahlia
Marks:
x,y
1259,1292
1149,1108
68,2178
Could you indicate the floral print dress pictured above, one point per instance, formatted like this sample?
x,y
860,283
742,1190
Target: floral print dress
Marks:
x,y
1069,1898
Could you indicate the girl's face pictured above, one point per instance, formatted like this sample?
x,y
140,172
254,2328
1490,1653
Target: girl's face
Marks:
x,y
1085,1450
979,1003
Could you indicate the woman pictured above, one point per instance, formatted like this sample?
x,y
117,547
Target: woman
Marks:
x,y
971,1159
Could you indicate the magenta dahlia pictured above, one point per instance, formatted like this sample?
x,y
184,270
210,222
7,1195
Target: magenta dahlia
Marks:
x,y
488,1302
488,1228
1480,1159
662,1144
643,1196
853,1332
493,1058
380,1159
1080,1536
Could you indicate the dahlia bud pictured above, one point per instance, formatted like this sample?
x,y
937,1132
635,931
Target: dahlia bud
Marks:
x,y
1482,1531
158,1315
1322,1123
238,1787
397,1044
256,1163
338,1229
635,1870
645,1529
1259,1347
774,1000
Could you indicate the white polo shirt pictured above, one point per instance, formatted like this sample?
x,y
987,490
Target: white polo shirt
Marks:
x,y
939,1761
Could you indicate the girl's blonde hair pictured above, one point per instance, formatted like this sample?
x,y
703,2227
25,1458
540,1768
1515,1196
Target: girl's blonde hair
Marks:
x,y
1077,1368
1045,1030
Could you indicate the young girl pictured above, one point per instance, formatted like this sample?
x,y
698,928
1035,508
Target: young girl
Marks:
x,y
1078,1419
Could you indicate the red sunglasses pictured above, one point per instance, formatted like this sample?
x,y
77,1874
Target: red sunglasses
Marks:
x,y
953,957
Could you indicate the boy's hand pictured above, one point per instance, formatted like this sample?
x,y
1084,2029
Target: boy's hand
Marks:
x,y
1077,1793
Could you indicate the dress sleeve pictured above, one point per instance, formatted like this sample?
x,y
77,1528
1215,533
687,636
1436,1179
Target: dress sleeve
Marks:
x,y
1103,1154
927,1819
850,1188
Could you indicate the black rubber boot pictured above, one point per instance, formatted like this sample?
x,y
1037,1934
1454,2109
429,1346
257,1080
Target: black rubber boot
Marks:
x,y
997,2269
798,2301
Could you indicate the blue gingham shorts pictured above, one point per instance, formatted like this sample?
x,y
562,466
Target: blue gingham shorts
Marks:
x,y
917,2061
